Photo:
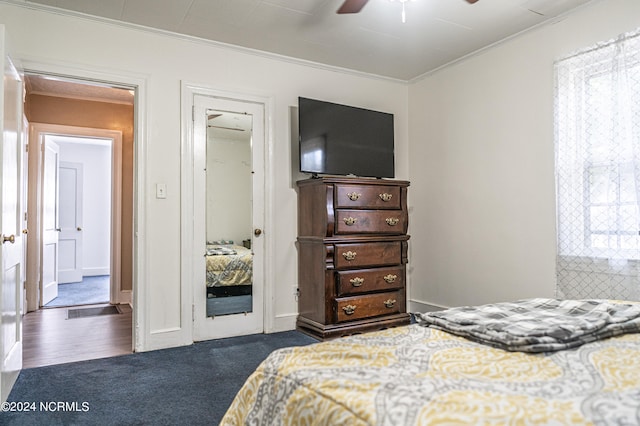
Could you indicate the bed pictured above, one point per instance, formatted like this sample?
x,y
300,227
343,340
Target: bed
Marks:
x,y
229,269
574,368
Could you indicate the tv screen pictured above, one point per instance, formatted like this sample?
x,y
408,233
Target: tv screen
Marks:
x,y
344,140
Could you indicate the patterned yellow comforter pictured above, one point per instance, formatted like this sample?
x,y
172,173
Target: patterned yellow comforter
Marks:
x,y
415,375
230,269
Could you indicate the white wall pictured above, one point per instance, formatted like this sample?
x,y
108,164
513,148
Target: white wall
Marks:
x,y
96,203
229,189
163,62
482,164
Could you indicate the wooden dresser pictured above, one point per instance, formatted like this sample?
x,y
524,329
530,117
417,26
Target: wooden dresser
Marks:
x,y
352,255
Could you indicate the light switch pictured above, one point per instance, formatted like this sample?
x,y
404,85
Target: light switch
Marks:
x,y
161,190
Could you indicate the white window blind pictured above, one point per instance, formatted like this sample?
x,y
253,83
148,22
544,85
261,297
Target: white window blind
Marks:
x,y
597,125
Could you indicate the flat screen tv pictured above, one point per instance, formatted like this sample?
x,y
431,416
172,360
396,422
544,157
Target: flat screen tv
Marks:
x,y
344,140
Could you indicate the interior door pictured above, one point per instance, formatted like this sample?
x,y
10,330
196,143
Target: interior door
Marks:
x,y
50,223
70,208
23,212
11,237
229,216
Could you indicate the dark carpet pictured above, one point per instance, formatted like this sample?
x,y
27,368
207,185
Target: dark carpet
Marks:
x,y
229,305
191,385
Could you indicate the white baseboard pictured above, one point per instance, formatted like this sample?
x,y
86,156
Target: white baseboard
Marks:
x,y
421,306
283,323
92,272
125,297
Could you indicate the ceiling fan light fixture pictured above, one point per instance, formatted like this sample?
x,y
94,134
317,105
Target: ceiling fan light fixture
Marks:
x,y
355,6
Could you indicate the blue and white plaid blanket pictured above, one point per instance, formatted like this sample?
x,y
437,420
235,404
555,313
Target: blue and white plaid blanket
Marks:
x,y
537,325
220,251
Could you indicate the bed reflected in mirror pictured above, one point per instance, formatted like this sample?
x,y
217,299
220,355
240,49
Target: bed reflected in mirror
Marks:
x,y
229,259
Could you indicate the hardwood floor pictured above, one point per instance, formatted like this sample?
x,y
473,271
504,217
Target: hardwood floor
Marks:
x,y
50,338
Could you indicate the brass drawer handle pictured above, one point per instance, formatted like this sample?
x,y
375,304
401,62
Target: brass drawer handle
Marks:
x,y
389,303
353,196
385,197
357,281
350,220
349,309
390,278
392,221
349,255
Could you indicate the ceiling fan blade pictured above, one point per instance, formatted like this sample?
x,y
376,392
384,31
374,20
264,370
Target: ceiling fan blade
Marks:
x,y
226,128
352,6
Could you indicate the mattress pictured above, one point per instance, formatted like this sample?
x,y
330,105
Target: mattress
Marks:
x,y
229,266
418,375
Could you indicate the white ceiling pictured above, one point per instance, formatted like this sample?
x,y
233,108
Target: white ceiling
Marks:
x,y
229,125
53,86
374,41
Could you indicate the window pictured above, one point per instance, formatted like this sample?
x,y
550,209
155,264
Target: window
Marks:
x,y
597,135
612,210
612,216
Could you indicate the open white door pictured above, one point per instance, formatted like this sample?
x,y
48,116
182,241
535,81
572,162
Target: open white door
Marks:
x,y
228,188
70,239
11,236
50,224
23,213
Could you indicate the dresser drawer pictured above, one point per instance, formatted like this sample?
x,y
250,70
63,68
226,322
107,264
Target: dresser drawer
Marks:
x,y
368,280
368,305
361,255
367,197
371,222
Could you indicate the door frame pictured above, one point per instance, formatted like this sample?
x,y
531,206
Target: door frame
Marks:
x,y
142,337
37,131
189,91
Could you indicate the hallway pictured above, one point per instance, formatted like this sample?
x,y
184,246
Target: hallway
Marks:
x,y
50,338
91,290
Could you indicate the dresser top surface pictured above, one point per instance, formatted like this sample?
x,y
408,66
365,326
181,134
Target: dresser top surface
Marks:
x,y
345,180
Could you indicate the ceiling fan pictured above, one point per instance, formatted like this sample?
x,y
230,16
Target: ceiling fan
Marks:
x,y
355,6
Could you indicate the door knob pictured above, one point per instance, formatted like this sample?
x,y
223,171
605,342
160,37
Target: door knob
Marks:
x,y
58,230
257,232
79,228
25,231
11,239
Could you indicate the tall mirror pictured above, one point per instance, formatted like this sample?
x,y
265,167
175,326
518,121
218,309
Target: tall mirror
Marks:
x,y
229,259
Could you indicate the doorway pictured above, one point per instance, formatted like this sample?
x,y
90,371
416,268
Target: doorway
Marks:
x,y
80,218
62,224
84,220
